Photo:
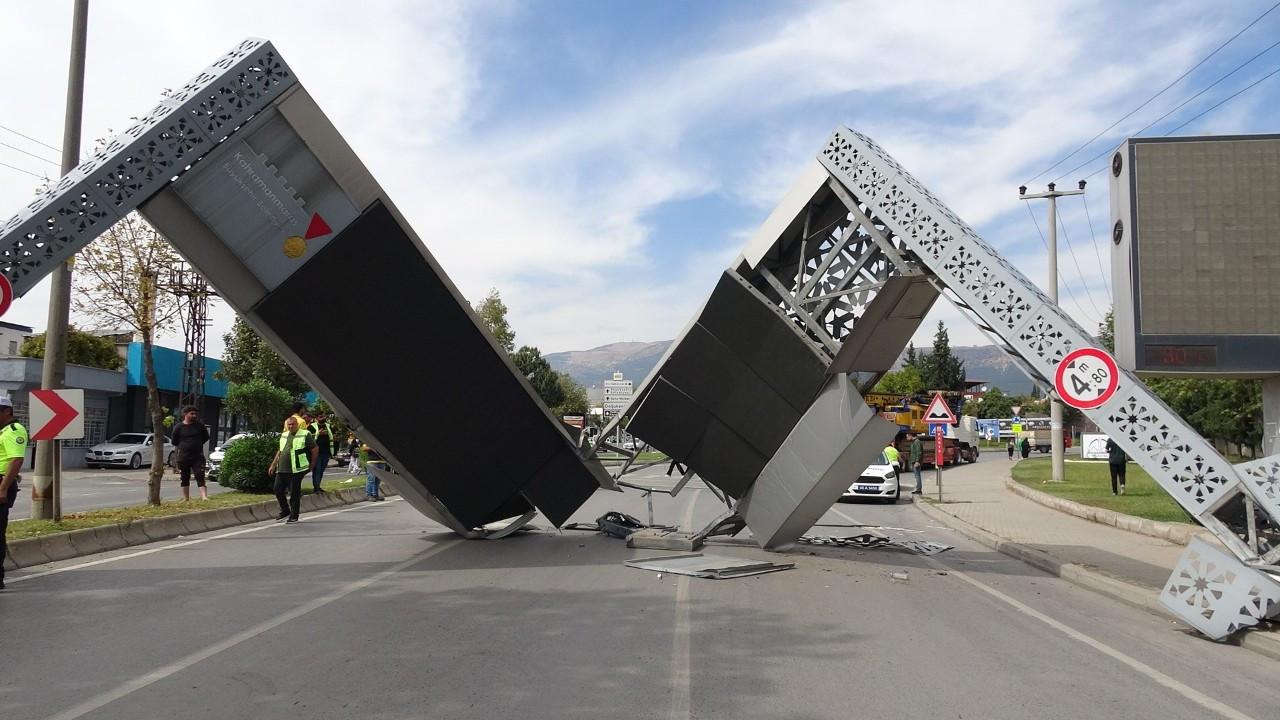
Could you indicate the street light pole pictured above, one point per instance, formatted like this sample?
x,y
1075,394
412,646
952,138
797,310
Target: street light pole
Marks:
x,y
1055,405
53,373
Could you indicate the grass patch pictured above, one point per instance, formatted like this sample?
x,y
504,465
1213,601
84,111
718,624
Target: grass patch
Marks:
x,y
19,529
1088,482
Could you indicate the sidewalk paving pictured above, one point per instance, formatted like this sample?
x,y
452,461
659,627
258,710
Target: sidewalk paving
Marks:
x,y
1123,565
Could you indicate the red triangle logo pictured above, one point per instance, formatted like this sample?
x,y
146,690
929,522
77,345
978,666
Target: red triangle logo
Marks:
x,y
317,227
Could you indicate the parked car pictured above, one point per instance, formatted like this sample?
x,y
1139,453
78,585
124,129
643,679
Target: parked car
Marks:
x,y
215,457
131,449
879,480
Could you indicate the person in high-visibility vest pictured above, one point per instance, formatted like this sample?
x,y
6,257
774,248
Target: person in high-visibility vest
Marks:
x,y
327,445
891,452
296,455
13,450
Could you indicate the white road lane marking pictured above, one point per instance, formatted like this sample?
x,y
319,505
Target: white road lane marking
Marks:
x,y
243,531
161,673
1186,691
678,709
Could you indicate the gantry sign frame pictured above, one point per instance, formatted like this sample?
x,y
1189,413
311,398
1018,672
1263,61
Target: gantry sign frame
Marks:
x,y
856,254
253,185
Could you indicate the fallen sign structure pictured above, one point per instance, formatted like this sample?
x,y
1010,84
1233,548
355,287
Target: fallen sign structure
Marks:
x,y
244,174
822,301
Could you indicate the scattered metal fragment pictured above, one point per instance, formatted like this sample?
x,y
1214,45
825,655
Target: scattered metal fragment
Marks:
x,y
870,540
715,567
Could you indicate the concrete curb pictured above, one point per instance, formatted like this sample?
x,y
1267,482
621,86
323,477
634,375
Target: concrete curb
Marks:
x,y
45,549
1180,533
1263,642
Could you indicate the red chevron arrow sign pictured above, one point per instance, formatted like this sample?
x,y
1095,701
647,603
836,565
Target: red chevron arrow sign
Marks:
x,y
57,414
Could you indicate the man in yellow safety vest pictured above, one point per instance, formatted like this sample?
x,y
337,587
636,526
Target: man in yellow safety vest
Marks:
x,y
296,455
13,450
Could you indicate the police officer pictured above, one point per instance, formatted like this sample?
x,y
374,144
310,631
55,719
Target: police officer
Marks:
x,y
296,454
13,450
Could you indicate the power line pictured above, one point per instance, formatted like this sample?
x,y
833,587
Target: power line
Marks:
x,y
28,137
1182,105
1102,272
27,172
1045,242
1071,251
1153,97
24,152
1215,107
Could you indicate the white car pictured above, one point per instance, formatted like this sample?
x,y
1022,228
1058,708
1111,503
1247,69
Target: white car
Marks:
x,y
215,457
131,449
879,480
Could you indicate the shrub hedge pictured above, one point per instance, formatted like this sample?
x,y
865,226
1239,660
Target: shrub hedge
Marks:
x,y
244,467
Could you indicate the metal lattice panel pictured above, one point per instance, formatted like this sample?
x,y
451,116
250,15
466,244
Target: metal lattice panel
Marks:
x,y
140,161
1005,301
1214,593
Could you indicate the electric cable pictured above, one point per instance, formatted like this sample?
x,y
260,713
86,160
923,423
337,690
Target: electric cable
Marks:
x,y
1153,97
24,152
27,172
28,137
1071,251
1101,270
1043,241
1215,107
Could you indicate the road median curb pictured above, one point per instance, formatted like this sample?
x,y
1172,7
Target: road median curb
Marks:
x,y
44,549
1180,533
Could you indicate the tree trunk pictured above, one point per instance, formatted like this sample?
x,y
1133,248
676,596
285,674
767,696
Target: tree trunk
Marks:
x,y
157,422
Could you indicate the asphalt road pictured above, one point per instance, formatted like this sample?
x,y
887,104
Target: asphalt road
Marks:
x,y
372,611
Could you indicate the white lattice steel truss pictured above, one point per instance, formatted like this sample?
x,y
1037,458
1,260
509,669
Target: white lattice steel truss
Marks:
x,y
889,226
895,227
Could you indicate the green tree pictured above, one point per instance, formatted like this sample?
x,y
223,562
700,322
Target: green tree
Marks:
x,y
247,356
906,381
118,284
574,394
535,368
1107,331
995,404
494,314
83,348
263,404
940,369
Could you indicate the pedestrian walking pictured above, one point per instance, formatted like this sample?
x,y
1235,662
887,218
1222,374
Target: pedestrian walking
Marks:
x,y
296,454
322,432
13,450
353,453
1025,448
1010,447
1116,459
372,483
189,439
915,457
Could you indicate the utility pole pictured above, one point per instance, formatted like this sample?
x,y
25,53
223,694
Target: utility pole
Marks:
x,y
48,462
1055,405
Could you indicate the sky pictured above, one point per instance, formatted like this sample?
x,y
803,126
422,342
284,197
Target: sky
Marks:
x,y
600,163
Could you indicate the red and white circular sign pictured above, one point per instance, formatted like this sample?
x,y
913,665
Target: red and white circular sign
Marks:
x,y
6,294
1086,378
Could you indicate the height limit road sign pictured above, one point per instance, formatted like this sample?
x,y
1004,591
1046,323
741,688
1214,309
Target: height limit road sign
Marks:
x,y
57,414
1086,378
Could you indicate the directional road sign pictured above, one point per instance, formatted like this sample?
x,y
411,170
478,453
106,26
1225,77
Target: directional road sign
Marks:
x,y
57,414
1086,378
939,412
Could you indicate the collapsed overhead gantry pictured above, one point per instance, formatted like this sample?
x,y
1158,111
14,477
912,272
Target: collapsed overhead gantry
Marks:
x,y
760,395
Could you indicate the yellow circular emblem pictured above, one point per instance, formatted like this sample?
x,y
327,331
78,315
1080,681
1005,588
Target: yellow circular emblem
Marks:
x,y
295,247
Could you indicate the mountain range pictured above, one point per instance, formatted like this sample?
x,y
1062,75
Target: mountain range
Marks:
x,y
635,359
